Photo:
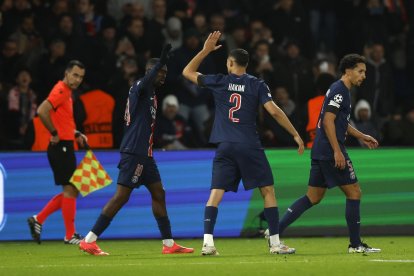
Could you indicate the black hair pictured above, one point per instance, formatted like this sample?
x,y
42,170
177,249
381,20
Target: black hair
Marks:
x,y
350,61
241,56
151,62
74,63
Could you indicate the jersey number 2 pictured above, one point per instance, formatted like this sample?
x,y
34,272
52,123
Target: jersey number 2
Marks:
x,y
237,99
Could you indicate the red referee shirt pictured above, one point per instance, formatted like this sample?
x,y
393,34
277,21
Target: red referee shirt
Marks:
x,y
62,117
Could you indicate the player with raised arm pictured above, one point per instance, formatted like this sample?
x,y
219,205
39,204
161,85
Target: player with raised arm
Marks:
x,y
331,165
137,166
239,154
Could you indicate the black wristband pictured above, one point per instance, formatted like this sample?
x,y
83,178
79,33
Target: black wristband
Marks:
x,y
77,134
54,133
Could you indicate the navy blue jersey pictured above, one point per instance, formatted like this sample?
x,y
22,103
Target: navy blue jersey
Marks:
x,y
338,101
237,99
140,114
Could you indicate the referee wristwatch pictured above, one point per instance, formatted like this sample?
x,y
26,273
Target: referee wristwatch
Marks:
x,y
54,133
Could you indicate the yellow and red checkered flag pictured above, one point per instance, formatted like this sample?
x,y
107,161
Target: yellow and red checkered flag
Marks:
x,y
90,176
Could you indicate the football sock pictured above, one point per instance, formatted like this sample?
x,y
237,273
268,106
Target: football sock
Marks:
x,y
168,242
165,227
294,212
91,237
352,216
69,213
210,216
52,206
208,239
101,224
272,217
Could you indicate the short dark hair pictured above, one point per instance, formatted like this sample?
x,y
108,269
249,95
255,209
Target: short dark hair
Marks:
x,y
151,62
74,63
350,61
241,56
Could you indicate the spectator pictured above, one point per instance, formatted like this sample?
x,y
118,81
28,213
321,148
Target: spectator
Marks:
x,y
200,24
238,39
261,65
90,21
172,132
363,121
192,99
218,23
137,36
274,134
10,60
400,131
296,72
21,109
378,88
50,68
173,32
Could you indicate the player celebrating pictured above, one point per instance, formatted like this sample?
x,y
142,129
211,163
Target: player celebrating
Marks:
x,y
331,166
239,154
137,165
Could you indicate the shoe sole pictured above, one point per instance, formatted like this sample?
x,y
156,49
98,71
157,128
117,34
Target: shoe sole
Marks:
x,y
92,254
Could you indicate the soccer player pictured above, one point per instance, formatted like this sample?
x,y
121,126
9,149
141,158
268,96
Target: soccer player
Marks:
x,y
137,166
239,153
331,165
56,113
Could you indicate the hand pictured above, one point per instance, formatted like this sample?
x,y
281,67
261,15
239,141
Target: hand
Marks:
x,y
211,41
339,160
300,143
81,139
54,140
369,141
165,53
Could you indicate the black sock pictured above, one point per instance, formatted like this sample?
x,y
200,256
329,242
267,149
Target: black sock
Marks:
x,y
272,217
294,212
101,224
210,216
165,227
352,216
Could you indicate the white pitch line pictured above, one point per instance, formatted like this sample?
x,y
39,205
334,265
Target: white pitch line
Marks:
x,y
392,261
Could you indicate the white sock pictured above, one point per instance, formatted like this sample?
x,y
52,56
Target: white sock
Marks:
x,y
208,239
274,240
168,242
91,237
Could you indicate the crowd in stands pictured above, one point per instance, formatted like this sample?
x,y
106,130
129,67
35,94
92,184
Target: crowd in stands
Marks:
x,y
294,46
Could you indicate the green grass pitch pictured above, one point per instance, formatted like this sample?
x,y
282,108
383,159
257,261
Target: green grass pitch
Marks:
x,y
315,256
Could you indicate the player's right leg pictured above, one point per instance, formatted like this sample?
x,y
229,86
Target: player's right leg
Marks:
x,y
121,197
210,217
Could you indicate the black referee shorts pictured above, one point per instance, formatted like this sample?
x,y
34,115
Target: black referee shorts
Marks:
x,y
62,160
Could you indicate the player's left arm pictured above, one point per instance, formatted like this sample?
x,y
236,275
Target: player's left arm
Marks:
x,y
284,121
190,71
368,140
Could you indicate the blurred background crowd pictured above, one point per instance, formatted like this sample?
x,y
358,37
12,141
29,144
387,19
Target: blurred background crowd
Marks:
x,y
295,46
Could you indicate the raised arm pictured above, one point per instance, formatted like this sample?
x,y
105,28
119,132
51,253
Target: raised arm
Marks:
x,y
284,121
369,141
190,71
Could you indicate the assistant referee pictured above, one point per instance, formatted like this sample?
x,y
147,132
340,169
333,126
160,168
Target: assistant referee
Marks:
x,y
56,113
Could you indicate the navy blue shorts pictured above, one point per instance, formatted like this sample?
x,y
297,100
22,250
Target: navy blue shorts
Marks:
x,y
323,174
236,161
137,170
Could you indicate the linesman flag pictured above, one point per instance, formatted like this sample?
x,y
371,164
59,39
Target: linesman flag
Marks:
x,y
90,175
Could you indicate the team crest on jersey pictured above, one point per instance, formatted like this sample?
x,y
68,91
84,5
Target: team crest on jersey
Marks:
x,y
137,173
338,98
